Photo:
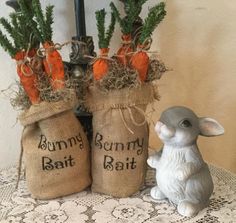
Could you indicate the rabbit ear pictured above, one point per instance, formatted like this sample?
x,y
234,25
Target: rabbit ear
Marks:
x,y
210,127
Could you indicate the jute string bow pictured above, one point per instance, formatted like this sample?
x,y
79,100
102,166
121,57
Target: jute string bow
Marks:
x,y
131,116
43,53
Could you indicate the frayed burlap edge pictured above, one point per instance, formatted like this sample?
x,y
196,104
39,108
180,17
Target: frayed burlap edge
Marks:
x,y
44,109
142,95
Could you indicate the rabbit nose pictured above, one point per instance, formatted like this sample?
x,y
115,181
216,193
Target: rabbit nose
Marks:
x,y
165,130
168,132
158,126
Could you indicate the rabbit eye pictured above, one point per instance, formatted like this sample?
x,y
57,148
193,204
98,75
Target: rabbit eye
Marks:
x,y
185,124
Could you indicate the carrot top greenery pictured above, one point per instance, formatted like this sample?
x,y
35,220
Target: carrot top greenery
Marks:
x,y
41,25
104,37
20,33
133,9
155,16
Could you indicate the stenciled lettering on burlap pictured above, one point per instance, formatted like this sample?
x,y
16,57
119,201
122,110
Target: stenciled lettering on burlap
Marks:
x,y
112,164
53,146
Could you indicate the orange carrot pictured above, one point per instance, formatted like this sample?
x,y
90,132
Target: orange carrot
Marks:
x,y
27,78
100,67
123,54
140,62
32,53
54,66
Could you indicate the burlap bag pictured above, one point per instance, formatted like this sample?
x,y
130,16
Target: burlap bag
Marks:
x,y
55,150
120,139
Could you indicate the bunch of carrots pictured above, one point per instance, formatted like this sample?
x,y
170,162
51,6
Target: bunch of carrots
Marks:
x,y
129,54
21,52
29,28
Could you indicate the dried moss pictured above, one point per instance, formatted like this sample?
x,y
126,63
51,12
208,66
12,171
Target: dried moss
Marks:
x,y
20,101
156,69
118,77
18,98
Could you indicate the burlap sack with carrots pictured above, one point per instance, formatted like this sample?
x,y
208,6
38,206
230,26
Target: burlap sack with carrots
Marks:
x,y
55,150
120,139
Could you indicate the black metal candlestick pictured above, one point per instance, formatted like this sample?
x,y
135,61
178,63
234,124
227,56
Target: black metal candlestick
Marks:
x,y
80,50
80,18
78,61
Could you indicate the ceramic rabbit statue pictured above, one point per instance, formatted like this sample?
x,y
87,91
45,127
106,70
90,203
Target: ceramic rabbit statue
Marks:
x,y
182,175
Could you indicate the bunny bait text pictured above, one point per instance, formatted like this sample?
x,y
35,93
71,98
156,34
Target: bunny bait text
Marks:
x,y
112,164
52,146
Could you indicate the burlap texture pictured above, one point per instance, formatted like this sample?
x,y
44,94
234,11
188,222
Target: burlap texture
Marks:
x,y
120,139
56,150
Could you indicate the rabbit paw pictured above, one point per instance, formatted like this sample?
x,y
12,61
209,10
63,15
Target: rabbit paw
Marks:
x,y
150,162
181,174
153,162
157,194
187,209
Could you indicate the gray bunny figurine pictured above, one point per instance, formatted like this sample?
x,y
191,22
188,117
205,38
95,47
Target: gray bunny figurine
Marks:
x,y
182,175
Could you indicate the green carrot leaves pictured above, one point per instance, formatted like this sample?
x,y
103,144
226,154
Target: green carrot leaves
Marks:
x,y
155,16
104,36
